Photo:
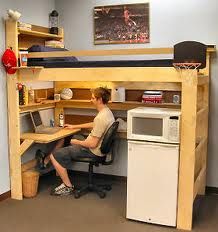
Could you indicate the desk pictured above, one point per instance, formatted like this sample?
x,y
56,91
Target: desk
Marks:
x,y
30,138
47,138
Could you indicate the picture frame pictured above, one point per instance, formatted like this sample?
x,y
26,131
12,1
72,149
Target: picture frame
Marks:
x,y
122,24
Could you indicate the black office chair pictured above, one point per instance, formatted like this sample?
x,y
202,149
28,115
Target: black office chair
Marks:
x,y
107,148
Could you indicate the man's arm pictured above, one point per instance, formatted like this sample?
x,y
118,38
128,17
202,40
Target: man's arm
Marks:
x,y
90,142
79,126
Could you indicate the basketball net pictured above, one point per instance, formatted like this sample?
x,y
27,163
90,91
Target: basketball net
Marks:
x,y
188,68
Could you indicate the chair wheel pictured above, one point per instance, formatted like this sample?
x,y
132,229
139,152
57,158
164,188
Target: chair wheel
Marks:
x,y
77,195
102,195
108,188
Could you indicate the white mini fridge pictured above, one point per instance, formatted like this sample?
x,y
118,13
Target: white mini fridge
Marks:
x,y
152,182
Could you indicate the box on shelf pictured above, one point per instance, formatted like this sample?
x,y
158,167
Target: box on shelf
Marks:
x,y
152,97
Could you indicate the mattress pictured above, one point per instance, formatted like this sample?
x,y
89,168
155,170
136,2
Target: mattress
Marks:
x,y
89,64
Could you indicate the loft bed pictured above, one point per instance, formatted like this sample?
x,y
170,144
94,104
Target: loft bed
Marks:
x,y
194,108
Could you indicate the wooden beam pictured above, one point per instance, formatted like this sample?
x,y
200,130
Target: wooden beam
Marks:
x,y
127,85
187,152
200,152
203,80
138,51
13,117
199,181
205,133
25,145
112,52
115,74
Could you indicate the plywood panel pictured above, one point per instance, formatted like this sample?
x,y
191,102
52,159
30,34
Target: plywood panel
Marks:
x,y
187,152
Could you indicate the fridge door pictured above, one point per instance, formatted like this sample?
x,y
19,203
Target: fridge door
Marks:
x,y
152,181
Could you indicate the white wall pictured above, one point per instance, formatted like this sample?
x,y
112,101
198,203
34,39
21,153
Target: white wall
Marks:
x,y
170,22
35,12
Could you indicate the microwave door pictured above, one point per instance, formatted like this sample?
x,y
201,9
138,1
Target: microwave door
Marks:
x,y
147,128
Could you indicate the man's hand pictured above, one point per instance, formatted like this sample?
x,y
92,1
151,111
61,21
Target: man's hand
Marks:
x,y
69,126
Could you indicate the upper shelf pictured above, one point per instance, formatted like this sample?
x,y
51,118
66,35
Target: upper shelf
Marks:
x,y
127,105
39,34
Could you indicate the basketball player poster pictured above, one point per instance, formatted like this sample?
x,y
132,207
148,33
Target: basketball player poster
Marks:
x,y
121,24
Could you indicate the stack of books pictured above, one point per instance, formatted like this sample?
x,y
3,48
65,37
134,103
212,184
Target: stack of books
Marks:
x,y
152,96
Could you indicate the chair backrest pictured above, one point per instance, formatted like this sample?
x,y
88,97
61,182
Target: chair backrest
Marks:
x,y
190,52
108,139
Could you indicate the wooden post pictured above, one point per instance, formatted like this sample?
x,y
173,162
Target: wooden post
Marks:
x,y
187,151
205,134
13,117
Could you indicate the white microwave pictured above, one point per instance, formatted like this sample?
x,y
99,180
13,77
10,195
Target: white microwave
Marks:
x,y
154,124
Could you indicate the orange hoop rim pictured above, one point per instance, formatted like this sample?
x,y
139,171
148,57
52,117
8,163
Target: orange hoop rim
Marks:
x,y
186,65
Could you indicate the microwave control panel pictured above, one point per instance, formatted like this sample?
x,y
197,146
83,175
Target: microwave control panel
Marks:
x,y
174,128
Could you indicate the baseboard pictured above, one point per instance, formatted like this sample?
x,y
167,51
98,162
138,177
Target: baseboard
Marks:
x,y
211,190
5,196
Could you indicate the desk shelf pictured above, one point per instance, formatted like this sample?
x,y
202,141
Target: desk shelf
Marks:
x,y
48,104
86,104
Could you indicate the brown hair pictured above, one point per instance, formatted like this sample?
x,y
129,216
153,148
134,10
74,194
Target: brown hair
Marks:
x,y
101,92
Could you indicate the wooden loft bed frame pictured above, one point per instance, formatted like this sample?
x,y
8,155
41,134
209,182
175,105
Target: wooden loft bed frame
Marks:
x,y
194,108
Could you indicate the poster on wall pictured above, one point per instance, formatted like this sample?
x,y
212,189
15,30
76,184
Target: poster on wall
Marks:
x,y
121,24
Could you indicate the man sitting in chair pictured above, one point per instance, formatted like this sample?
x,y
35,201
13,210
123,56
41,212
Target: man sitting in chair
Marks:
x,y
62,158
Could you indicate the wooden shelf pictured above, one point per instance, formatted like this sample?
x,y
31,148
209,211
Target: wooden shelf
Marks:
x,y
29,67
48,104
86,104
39,34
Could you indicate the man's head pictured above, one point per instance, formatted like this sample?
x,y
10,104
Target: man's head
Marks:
x,y
100,97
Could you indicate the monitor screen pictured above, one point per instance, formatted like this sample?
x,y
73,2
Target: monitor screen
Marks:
x,y
37,118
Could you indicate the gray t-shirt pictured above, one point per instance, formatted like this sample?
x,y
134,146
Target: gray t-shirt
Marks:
x,y
102,122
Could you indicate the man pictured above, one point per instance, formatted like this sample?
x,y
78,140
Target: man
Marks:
x,y
127,19
90,147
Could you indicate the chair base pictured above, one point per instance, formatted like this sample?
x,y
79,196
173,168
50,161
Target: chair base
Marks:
x,y
99,189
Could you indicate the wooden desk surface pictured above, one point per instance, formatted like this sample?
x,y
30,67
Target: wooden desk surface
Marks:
x,y
47,138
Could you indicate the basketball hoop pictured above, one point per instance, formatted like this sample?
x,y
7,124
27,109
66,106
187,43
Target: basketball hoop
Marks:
x,y
189,67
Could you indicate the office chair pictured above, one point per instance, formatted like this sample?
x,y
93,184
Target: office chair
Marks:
x,y
106,148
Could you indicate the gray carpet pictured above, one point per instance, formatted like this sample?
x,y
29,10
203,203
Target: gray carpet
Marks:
x,y
89,213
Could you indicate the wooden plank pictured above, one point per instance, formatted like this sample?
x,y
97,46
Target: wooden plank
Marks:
x,y
115,74
39,34
127,85
47,138
199,155
187,152
137,51
25,145
199,181
86,104
36,106
203,80
13,118
205,133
